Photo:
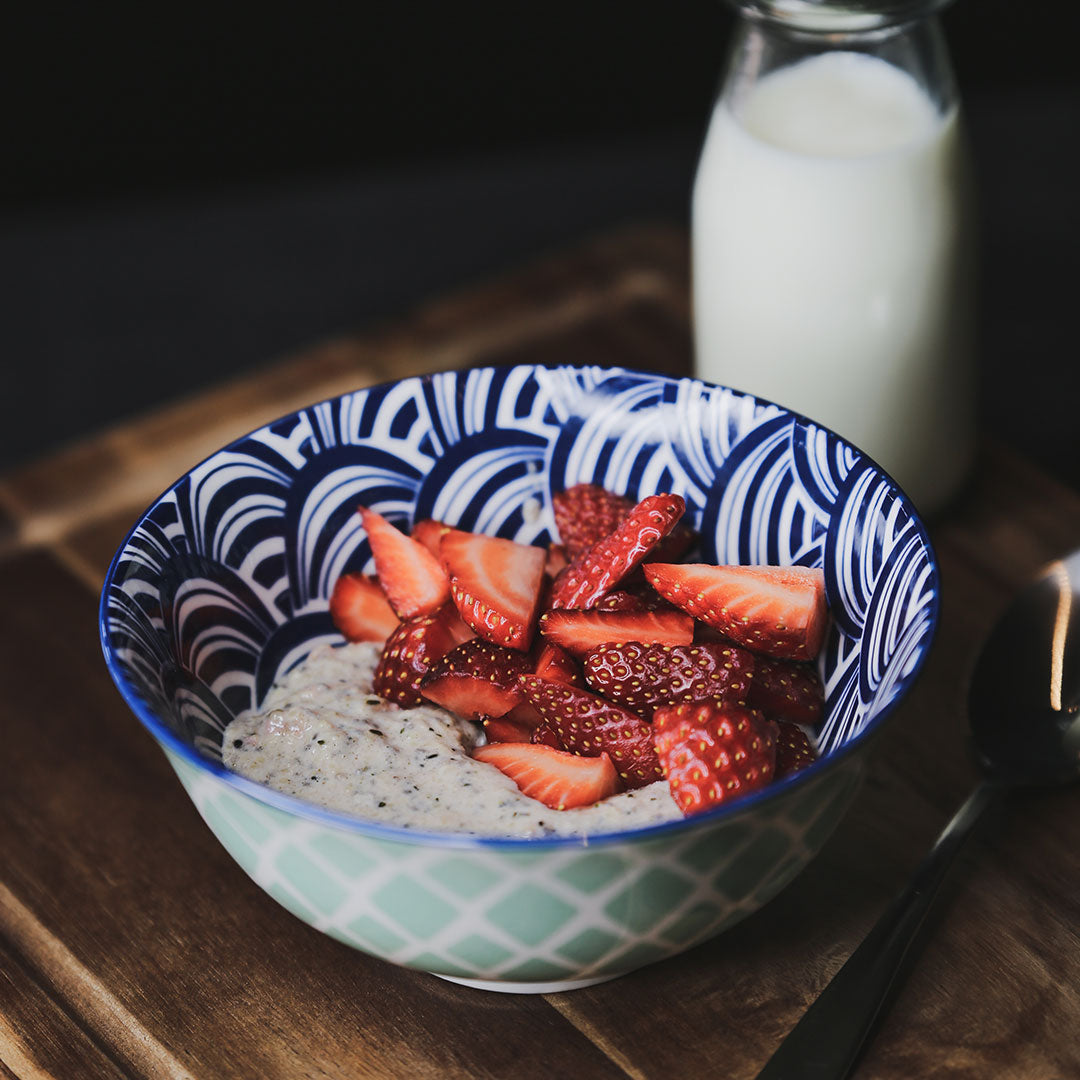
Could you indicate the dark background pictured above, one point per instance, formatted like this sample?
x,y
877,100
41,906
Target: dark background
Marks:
x,y
191,192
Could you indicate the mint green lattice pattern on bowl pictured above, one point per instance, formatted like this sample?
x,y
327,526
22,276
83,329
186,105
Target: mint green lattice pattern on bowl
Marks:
x,y
510,918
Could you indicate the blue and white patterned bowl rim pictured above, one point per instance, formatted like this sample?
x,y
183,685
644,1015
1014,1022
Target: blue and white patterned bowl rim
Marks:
x,y
885,489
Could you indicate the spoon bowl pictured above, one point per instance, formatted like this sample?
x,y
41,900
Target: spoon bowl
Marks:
x,y
1024,699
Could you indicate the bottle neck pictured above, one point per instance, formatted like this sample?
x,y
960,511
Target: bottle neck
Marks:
x,y
917,48
856,18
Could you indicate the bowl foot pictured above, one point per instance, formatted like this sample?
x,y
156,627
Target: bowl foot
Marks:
x,y
527,987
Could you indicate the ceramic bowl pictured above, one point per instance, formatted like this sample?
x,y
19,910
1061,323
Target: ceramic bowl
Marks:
x,y
223,584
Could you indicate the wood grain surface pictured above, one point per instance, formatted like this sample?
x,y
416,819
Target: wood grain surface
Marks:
x,y
132,946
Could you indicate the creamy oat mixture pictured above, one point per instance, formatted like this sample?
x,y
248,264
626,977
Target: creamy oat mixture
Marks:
x,y
323,736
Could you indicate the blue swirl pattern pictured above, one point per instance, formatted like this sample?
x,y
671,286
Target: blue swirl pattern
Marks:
x,y
224,582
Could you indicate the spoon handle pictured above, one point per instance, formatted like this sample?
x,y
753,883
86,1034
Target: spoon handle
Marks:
x,y
826,1041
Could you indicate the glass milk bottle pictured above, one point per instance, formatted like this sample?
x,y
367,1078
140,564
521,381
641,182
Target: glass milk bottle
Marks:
x,y
832,232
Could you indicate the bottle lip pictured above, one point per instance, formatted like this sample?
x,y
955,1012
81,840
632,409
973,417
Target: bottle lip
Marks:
x,y
838,16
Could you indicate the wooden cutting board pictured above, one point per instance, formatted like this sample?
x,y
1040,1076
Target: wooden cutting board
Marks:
x,y
132,946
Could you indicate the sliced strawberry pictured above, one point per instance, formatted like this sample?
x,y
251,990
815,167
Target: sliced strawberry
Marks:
x,y
411,577
579,632
496,585
476,679
643,677
608,561
558,665
713,752
778,610
414,647
794,750
588,724
556,560
786,690
554,777
430,533
585,514
360,610
502,729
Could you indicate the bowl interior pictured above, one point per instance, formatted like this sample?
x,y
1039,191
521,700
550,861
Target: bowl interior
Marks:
x,y
223,584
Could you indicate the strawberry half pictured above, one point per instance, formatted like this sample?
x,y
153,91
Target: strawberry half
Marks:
x,y
476,679
643,677
794,750
778,610
360,610
554,777
713,752
496,585
580,632
412,649
411,577
784,689
598,570
588,724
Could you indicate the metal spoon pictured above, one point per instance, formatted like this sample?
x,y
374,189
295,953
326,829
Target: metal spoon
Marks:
x,y
1024,708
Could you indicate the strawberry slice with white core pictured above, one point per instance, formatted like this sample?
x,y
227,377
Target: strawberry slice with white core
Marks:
x,y
777,610
579,632
496,585
595,573
412,578
588,724
559,780
360,610
476,680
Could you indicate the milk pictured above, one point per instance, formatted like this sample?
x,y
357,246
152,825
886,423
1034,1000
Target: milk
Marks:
x,y
831,261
